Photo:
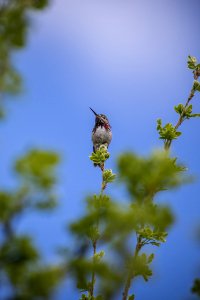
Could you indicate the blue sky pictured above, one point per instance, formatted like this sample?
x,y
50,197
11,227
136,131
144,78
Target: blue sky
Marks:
x,y
126,59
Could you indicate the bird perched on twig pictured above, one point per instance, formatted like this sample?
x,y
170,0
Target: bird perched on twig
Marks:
x,y
101,133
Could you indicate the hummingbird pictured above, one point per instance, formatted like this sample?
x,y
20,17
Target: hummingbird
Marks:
x,y
101,133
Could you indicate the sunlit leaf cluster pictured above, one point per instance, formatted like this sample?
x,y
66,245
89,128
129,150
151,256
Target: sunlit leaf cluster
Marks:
x,y
100,156
168,131
186,113
108,176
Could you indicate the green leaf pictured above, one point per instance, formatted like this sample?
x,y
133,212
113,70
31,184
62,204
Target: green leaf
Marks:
x,y
152,236
108,176
191,62
196,86
194,115
182,111
155,244
150,258
141,267
167,132
179,108
178,133
99,256
159,124
192,59
132,297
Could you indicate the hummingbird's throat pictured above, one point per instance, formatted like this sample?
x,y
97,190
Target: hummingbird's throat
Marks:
x,y
107,126
102,123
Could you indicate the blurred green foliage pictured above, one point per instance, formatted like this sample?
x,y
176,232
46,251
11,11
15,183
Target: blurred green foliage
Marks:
x,y
144,177
196,287
23,274
15,21
22,269
120,227
37,169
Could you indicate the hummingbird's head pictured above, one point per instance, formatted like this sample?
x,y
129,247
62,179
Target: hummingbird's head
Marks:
x,y
101,120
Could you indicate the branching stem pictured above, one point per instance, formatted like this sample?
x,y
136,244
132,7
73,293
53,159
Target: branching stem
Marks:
x,y
131,273
168,142
139,243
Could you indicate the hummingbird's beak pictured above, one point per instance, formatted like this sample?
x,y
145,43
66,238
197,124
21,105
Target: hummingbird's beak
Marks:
x,y
94,112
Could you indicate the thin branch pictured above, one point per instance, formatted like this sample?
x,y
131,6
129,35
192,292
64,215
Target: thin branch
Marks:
x,y
168,143
130,274
93,272
94,244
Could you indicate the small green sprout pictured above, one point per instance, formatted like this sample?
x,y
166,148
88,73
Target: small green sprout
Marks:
x,y
100,156
108,176
167,132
